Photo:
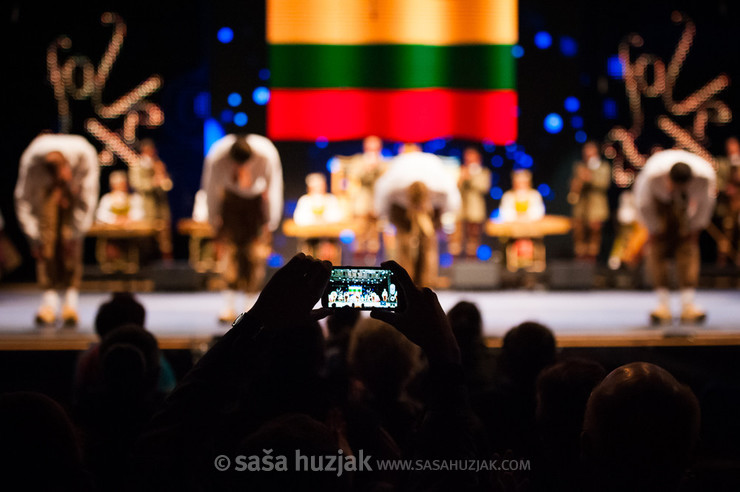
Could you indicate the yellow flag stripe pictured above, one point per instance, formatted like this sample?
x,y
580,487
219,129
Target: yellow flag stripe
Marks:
x,y
430,22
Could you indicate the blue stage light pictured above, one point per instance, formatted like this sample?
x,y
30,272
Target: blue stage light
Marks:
x,y
484,252
322,142
553,123
240,119
225,35
488,146
435,145
497,193
497,161
227,116
261,95
544,190
289,208
526,161
275,260
212,131
445,260
614,67
202,104
568,46
234,99
347,236
517,51
610,109
572,104
581,136
332,165
495,214
576,122
264,74
543,40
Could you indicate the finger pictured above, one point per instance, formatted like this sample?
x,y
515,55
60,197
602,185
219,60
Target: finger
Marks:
x,y
402,276
320,313
386,316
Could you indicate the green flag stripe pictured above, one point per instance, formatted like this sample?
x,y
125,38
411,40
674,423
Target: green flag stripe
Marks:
x,y
392,66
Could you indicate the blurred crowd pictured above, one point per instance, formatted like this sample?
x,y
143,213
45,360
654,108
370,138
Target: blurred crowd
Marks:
x,y
418,385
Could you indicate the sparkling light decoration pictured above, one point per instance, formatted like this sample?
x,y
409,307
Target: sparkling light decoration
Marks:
x,y
703,103
133,107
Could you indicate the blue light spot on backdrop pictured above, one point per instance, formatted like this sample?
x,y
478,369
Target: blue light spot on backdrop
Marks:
x,y
553,123
347,236
495,214
234,99
511,147
517,51
581,136
544,190
568,46
614,67
227,116
543,40
497,161
202,104
332,165
526,161
572,104
576,122
240,119
212,131
435,145
445,260
610,108
264,74
497,193
275,260
489,146
225,35
290,207
261,95
484,252
322,142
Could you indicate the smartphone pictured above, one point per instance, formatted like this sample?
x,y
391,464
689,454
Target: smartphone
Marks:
x,y
362,288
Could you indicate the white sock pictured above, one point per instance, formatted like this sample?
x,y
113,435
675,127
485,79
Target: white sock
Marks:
x,y
50,298
72,298
687,296
664,296
229,300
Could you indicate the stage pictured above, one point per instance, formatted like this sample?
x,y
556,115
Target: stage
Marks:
x,y
587,318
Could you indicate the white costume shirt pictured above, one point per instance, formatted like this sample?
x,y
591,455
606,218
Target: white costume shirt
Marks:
x,y
33,178
117,200
267,177
406,169
318,209
531,205
651,185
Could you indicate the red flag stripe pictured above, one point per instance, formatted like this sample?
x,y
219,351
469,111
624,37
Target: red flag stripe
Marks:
x,y
398,115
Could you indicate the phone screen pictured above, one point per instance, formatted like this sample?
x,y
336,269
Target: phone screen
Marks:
x,y
361,288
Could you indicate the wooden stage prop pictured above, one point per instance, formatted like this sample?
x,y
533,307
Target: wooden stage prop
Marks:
x,y
523,241
321,241
117,247
201,250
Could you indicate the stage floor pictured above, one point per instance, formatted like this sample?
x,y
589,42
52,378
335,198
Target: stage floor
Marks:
x,y
187,320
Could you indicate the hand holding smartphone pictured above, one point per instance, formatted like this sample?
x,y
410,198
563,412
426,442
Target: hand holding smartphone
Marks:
x,y
362,288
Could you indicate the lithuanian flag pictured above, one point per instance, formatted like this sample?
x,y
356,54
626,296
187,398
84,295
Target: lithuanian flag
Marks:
x,y
405,70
